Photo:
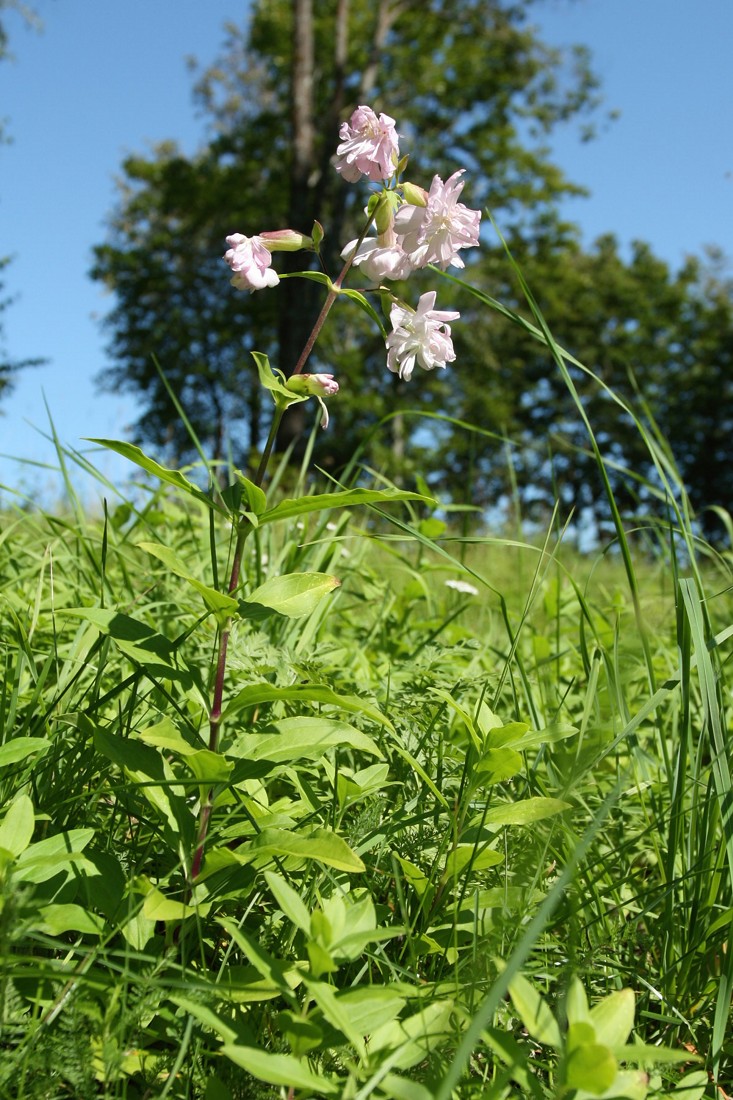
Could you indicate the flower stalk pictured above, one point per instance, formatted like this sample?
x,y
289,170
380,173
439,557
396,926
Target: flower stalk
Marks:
x,y
414,228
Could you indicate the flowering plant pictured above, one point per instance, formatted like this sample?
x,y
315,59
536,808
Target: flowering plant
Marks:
x,y
414,228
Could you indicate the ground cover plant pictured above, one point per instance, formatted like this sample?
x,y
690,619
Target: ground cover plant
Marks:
x,y
311,791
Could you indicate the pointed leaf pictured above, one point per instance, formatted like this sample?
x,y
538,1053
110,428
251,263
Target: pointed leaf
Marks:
x,y
16,830
256,694
291,903
20,748
293,594
534,1012
526,811
138,641
365,304
576,1005
320,844
613,1018
170,477
348,498
218,602
279,1069
301,739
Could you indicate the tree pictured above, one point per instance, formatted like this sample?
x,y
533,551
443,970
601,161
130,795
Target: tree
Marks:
x,y
469,80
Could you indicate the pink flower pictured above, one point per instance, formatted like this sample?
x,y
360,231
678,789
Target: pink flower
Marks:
x,y
368,147
382,257
421,335
433,234
250,261
379,261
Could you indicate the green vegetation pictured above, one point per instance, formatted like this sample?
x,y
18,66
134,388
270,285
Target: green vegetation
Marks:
x,y
318,787
422,797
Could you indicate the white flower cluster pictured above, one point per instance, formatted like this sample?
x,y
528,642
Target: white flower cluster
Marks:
x,y
414,228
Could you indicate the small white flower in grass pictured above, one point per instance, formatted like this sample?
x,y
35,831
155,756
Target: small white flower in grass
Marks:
x,y
433,234
369,147
250,261
422,335
462,586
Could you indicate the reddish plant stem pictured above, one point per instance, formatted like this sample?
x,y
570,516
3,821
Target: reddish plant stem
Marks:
x,y
242,532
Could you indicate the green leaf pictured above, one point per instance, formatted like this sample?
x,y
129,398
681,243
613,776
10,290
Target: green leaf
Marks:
x,y
314,276
576,1005
320,844
401,1088
279,1069
205,1016
221,605
20,748
54,855
534,1012
496,765
254,493
413,1039
301,739
170,477
591,1067
348,498
643,1054
158,907
274,381
517,735
336,1012
371,1006
256,694
613,1018
138,641
56,920
142,763
368,308
209,767
461,856
275,972
291,903
692,1086
526,811
16,830
294,594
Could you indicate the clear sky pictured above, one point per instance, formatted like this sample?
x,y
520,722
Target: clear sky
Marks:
x,y
108,77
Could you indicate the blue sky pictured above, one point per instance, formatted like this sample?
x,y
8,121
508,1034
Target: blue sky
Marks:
x,y
108,78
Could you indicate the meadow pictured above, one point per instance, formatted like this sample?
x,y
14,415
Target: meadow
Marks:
x,y
470,829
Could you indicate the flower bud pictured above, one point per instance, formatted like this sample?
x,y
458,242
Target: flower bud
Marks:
x,y
416,196
384,211
285,240
321,385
